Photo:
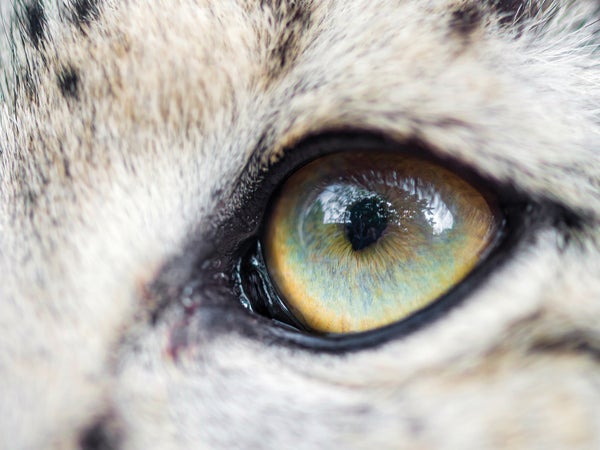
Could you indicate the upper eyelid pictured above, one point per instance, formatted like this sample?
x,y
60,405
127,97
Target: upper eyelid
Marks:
x,y
521,181
262,166
251,191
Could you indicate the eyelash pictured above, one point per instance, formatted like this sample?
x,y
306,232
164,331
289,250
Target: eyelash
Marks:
x,y
521,216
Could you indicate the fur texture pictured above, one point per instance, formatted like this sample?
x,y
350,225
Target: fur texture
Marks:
x,y
127,130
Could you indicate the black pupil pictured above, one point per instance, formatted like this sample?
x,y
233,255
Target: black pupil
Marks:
x,y
366,221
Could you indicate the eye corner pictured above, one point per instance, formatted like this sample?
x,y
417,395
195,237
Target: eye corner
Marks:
x,y
256,291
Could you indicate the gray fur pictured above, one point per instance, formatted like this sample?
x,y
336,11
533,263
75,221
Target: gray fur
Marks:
x,y
104,185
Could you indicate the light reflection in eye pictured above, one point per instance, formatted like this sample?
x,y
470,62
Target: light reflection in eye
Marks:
x,y
335,200
439,216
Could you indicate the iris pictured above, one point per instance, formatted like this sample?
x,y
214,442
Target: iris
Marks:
x,y
359,240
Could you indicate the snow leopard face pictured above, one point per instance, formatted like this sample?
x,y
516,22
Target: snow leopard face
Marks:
x,y
145,147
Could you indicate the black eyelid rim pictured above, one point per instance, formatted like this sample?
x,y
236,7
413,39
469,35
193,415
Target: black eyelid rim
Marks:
x,y
258,187
509,238
521,217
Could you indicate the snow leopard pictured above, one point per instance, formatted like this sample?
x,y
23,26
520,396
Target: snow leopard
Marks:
x,y
206,205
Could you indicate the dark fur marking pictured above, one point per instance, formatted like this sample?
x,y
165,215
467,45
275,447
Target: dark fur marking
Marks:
x,y
68,82
67,168
292,19
101,435
509,7
84,12
33,22
575,342
510,11
515,11
26,80
466,19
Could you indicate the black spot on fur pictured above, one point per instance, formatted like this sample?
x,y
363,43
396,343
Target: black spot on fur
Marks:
x,y
85,11
33,22
466,19
101,435
291,21
515,11
510,7
574,343
68,82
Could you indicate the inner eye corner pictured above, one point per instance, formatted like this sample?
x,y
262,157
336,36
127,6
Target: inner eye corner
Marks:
x,y
359,222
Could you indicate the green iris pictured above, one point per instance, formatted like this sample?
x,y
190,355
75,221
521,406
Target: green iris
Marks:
x,y
356,241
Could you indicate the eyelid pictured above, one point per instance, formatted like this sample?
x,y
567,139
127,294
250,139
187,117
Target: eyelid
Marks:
x,y
521,217
257,182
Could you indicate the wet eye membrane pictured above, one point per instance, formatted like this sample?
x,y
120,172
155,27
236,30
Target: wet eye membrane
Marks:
x,y
359,241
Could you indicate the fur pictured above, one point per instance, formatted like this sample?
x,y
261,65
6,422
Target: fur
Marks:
x,y
127,131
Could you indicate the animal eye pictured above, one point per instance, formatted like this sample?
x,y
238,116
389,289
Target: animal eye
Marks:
x,y
355,241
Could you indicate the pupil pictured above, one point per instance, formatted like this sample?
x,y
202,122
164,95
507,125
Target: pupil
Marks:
x,y
366,221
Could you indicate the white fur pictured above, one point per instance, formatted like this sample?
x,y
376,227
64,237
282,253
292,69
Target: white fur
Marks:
x,y
174,96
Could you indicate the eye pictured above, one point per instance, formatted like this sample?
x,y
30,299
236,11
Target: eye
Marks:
x,y
356,241
369,240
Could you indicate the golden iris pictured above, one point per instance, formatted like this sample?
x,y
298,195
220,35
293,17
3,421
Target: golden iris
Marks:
x,y
360,240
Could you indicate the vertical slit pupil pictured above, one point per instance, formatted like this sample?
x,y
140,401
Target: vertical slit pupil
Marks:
x,y
366,221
